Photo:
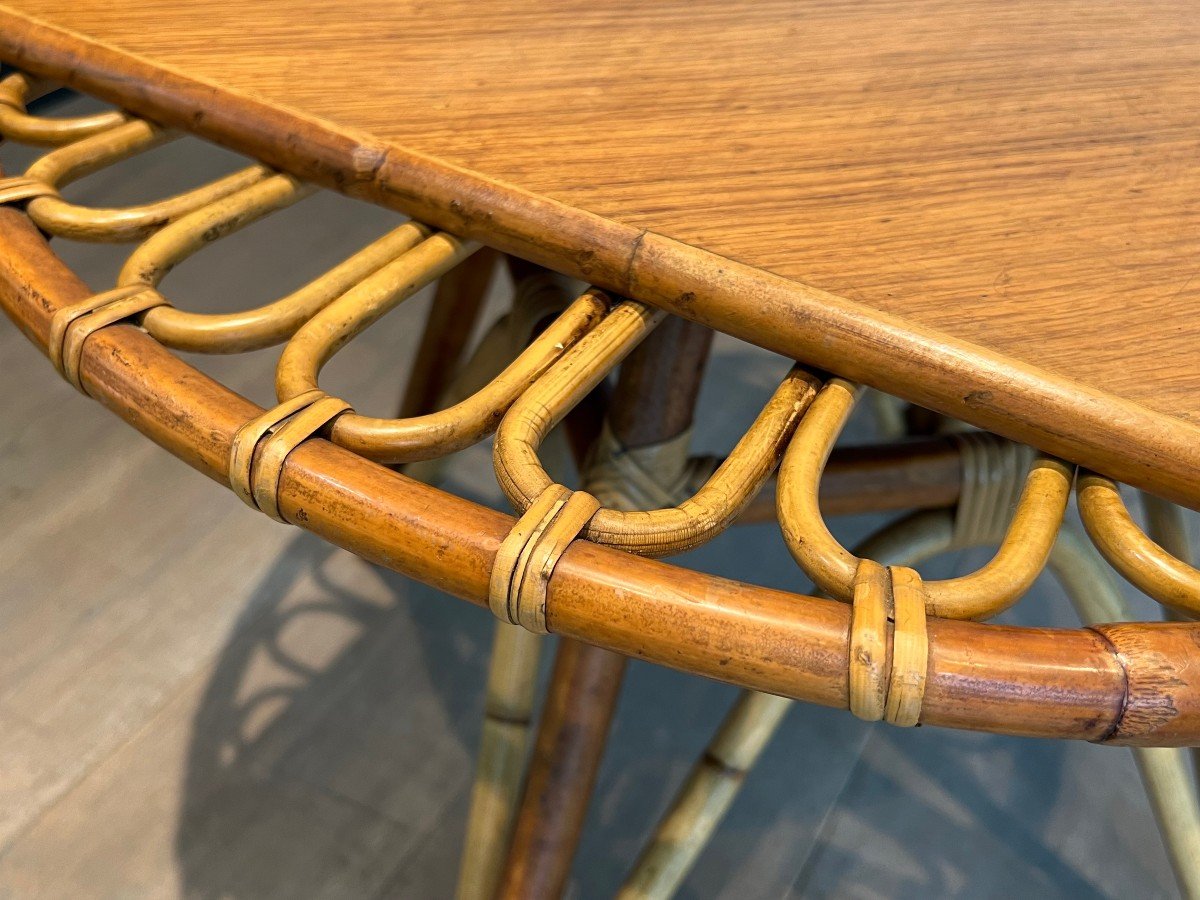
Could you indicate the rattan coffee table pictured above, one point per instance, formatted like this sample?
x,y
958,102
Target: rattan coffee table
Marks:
x,y
986,212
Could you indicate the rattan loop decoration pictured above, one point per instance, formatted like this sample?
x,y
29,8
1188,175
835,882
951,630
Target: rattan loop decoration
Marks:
x,y
647,532
18,125
1001,582
64,165
460,425
261,447
265,325
889,644
20,188
72,325
527,556
1130,551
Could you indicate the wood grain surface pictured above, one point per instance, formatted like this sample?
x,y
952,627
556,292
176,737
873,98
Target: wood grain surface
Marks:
x,y
1020,177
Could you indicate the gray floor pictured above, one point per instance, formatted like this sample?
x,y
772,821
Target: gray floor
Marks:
x,y
195,701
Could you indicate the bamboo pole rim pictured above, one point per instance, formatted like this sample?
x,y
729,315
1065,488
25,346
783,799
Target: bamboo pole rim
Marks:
x,y
196,418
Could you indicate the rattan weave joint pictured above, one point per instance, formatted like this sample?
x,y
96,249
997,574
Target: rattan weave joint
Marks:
x,y
889,644
20,188
527,557
72,325
261,446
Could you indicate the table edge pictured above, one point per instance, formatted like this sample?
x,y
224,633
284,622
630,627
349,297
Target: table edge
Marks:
x,y
1121,438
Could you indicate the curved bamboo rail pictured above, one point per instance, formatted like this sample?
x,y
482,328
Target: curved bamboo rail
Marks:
x,y
763,651
981,594
1122,683
76,160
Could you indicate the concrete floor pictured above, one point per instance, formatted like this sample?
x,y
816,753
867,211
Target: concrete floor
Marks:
x,y
197,702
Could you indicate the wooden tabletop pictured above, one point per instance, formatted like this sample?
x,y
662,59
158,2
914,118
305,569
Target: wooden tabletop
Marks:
x,y
1015,184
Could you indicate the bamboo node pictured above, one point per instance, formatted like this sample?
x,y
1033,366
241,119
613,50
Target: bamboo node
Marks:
x,y
527,557
261,446
889,645
72,325
20,188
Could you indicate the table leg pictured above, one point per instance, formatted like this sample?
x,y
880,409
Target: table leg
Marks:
x,y
653,402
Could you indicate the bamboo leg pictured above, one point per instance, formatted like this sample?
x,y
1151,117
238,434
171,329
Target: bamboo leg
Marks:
x,y
508,714
575,722
653,402
706,796
718,774
1167,527
510,694
506,723
1165,771
456,307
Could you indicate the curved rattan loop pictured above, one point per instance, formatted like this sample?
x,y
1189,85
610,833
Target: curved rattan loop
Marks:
x,y
448,430
60,167
18,125
658,532
265,325
150,262
1145,564
986,592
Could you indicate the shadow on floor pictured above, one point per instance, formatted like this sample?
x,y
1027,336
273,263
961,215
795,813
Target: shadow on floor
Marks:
x,y
332,753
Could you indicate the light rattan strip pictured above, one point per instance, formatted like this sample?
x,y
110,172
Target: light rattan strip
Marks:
x,y
18,125
446,431
21,189
527,557
73,325
69,163
261,447
1144,563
